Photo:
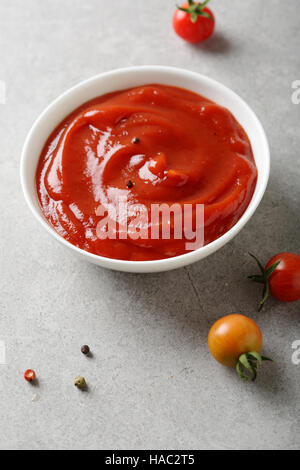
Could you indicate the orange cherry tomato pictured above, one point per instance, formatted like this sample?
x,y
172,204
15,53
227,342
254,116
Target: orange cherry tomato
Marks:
x,y
29,375
232,336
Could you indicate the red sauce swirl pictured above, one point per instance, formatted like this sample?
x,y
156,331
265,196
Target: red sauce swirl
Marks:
x,y
152,144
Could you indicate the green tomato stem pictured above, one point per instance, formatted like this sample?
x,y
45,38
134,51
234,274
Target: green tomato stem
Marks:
x,y
248,364
263,278
196,9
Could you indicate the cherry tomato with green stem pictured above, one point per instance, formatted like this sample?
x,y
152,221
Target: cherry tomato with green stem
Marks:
x,y
236,341
194,21
280,277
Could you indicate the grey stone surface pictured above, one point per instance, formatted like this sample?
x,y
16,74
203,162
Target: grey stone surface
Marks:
x,y
152,382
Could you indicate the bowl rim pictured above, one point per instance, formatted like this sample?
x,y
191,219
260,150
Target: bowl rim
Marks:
x,y
164,264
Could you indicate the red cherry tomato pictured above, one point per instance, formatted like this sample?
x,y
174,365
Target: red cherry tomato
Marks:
x,y
280,277
193,21
29,375
284,282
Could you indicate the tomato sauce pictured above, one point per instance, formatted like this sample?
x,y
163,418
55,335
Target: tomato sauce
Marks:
x,y
152,144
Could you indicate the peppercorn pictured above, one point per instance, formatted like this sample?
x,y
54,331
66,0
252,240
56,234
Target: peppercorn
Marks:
x,y
80,382
129,184
85,349
29,375
135,140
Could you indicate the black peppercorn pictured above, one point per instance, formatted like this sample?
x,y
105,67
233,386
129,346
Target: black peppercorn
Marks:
x,y
135,140
129,184
85,349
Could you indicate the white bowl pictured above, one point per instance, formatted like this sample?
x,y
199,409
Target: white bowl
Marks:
x,y
128,78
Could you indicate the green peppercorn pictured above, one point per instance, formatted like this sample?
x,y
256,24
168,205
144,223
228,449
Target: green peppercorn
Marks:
x,y
80,382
